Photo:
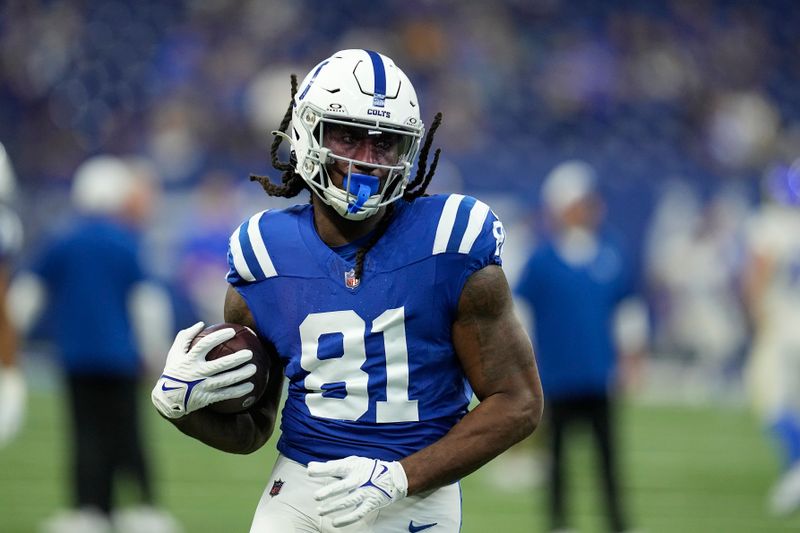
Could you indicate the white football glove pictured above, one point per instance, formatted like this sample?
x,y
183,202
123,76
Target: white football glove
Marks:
x,y
13,394
189,382
360,486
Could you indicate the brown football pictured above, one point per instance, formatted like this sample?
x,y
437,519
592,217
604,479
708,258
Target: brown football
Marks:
x,y
245,338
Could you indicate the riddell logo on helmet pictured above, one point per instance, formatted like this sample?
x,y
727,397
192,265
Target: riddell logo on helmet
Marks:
x,y
379,113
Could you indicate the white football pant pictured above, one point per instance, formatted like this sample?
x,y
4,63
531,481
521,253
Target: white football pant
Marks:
x,y
288,506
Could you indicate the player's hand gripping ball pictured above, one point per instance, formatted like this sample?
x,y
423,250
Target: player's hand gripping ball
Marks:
x,y
244,339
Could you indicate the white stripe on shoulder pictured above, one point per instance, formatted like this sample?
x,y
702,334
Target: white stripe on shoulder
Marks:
x,y
259,248
477,216
239,261
446,222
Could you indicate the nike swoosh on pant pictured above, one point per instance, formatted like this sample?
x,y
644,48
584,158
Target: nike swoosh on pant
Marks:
x,y
413,529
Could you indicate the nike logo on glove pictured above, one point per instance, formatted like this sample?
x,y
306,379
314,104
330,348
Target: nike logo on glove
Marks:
x,y
413,529
165,388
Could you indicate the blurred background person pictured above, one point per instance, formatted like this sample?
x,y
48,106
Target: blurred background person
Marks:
x,y
772,290
13,390
694,259
105,314
575,283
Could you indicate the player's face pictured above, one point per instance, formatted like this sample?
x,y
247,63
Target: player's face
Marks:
x,y
585,213
361,144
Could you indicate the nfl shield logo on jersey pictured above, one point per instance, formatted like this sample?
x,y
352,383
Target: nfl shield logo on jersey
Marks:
x,y
277,485
350,279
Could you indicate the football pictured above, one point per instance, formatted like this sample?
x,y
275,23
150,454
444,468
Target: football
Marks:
x,y
245,338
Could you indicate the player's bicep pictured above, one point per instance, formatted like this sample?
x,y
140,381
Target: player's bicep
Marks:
x,y
236,310
493,348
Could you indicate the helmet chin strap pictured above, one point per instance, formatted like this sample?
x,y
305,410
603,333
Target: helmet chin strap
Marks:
x,y
362,186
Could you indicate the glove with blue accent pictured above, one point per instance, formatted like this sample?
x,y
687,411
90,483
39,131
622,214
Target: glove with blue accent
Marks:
x,y
360,486
189,382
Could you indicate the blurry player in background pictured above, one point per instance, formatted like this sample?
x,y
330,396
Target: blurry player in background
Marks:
x,y
98,296
694,263
575,283
772,291
387,308
12,383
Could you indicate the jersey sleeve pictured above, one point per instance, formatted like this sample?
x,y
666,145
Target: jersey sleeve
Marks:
x,y
487,247
468,227
248,258
471,236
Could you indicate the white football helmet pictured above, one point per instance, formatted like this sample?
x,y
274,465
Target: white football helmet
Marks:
x,y
355,88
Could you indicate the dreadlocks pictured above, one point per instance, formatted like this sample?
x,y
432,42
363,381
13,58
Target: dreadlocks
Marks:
x,y
421,180
292,183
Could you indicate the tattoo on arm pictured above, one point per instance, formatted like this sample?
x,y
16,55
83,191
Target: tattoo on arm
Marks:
x,y
488,326
497,358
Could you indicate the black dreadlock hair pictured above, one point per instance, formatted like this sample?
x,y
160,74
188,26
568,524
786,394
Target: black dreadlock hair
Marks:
x,y
293,183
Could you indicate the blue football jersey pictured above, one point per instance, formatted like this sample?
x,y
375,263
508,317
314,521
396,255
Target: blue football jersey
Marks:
x,y
371,365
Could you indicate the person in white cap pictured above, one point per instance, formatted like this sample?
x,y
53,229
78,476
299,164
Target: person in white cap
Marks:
x,y
575,282
97,292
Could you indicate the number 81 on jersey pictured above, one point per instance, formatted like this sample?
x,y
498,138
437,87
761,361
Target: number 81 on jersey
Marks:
x,y
346,370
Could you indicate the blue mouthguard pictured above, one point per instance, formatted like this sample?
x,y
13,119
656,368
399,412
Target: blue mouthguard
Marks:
x,y
363,186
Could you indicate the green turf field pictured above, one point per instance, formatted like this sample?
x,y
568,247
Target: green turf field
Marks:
x,y
688,470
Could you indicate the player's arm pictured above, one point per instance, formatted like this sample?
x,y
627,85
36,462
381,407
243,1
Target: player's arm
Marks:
x,y
498,360
245,432
266,411
13,391
758,272
8,334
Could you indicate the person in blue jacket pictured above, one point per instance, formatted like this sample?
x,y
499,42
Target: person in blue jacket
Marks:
x,y
96,290
574,283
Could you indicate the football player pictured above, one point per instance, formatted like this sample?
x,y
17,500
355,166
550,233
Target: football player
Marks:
x,y
13,391
387,308
772,290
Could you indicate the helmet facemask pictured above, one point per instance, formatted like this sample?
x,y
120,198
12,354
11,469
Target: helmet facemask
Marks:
x,y
331,141
365,92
